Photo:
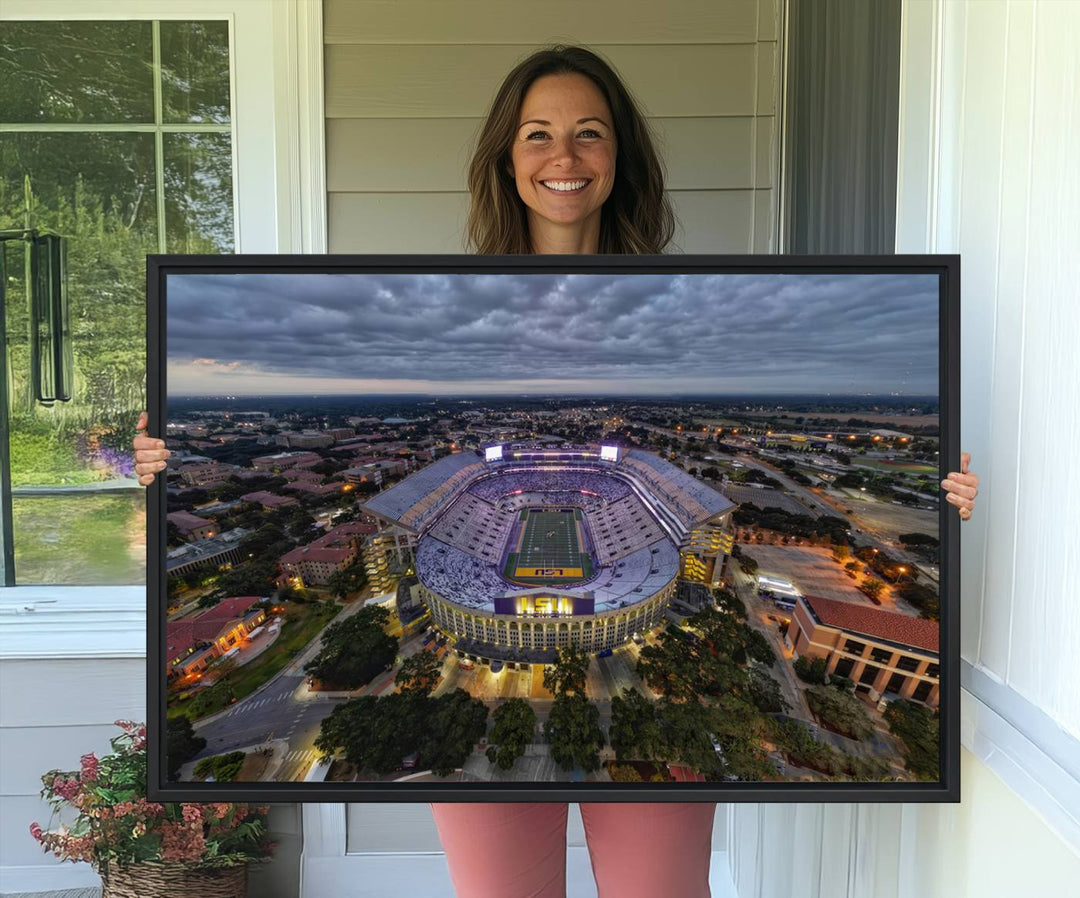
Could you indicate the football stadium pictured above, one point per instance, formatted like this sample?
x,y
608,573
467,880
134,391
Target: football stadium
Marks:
x,y
520,550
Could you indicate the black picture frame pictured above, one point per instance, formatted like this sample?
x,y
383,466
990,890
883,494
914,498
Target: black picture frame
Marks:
x,y
947,789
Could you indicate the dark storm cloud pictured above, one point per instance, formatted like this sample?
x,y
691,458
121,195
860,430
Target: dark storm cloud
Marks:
x,y
653,333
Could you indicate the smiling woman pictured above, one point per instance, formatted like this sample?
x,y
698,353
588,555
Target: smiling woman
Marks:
x,y
562,117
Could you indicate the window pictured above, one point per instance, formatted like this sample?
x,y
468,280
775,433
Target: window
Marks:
x,y
922,691
118,137
882,656
852,647
906,662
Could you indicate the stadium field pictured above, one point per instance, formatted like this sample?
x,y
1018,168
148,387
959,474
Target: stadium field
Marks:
x,y
549,549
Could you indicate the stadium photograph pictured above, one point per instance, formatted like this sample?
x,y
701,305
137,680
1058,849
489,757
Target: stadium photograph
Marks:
x,y
539,528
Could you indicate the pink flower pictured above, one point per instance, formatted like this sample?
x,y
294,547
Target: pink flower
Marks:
x,y
36,832
65,788
150,808
192,813
181,842
89,768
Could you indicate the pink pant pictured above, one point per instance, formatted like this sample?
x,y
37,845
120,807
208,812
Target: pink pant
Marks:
x,y
519,850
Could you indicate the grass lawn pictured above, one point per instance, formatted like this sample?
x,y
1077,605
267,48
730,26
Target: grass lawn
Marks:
x,y
301,626
82,540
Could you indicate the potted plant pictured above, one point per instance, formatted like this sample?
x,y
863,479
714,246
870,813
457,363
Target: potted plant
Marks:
x,y
143,848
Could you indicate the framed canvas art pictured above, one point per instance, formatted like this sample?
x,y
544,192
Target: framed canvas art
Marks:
x,y
580,528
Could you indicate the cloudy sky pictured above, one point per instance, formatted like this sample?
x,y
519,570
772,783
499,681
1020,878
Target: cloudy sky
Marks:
x,y
635,334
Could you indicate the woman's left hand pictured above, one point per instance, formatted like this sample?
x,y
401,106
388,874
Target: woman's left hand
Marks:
x,y
961,487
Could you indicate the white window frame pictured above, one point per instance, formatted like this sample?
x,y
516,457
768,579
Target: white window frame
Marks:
x,y
276,88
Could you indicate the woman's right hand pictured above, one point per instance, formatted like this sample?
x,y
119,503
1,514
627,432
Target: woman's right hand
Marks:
x,y
150,453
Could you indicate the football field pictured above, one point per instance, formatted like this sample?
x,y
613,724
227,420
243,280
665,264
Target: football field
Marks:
x,y
549,549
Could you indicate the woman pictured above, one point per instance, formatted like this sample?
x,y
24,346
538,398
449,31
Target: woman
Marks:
x,y
565,164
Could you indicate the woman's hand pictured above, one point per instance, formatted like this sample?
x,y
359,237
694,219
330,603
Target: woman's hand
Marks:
x,y
961,487
150,454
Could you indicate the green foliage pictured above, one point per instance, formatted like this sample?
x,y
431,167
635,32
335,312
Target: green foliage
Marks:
x,y
635,730
765,693
922,597
729,601
810,670
624,773
224,768
455,722
840,711
567,674
349,580
375,733
747,564
872,587
844,684
222,834
917,726
419,672
354,650
181,745
515,721
573,729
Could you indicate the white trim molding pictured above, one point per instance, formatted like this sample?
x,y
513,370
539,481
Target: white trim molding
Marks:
x,y
1032,755
298,37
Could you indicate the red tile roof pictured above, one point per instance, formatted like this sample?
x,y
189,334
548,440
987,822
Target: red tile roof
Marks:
x,y
913,631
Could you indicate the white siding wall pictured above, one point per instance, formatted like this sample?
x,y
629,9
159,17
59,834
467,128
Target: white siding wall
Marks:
x,y
53,711
988,168
408,82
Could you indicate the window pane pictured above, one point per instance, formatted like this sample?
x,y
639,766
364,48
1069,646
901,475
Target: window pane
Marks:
x,y
83,540
198,193
76,72
195,71
98,191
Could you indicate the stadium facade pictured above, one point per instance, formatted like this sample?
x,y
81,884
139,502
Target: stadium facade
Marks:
x,y
520,550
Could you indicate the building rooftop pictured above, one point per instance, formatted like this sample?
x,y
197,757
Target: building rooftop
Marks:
x,y
875,623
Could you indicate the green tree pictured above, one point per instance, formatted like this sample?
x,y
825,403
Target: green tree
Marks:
x,y
567,674
635,730
810,670
455,722
573,730
872,587
419,672
348,580
918,727
181,744
840,711
515,721
354,650
765,693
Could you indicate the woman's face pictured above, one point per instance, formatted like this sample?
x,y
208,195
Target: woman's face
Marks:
x,y
563,154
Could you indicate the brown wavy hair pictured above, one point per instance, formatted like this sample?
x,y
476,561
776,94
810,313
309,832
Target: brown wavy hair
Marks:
x,y
637,216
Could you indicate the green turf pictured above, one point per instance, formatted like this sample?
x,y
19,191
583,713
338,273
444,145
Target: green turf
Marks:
x,y
550,541
511,564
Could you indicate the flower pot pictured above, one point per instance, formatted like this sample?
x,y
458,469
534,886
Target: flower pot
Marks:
x,y
174,881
